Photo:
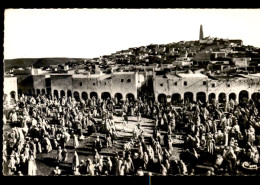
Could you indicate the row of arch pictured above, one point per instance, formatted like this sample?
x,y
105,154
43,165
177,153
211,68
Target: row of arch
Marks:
x,y
12,95
33,91
175,98
222,97
84,95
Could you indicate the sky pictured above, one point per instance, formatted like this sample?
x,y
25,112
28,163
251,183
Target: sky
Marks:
x,y
89,33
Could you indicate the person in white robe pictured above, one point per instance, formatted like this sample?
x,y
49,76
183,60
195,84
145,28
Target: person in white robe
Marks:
x,y
33,149
59,154
56,171
109,165
4,119
118,166
146,160
76,172
138,116
26,152
32,168
90,168
34,122
226,137
184,168
170,142
100,164
122,170
21,134
14,117
210,144
250,135
48,146
12,165
38,145
75,161
75,141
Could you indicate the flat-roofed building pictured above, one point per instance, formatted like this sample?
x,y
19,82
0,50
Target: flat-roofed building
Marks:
x,y
119,85
196,86
10,90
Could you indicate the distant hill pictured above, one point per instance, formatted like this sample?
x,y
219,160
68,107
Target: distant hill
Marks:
x,y
16,63
36,62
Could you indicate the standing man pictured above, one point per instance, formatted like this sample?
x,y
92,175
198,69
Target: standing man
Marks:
x,y
97,144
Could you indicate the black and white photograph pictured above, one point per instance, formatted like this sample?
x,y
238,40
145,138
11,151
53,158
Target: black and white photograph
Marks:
x,y
131,92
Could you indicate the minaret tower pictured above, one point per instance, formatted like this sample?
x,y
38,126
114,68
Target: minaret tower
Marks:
x,y
201,32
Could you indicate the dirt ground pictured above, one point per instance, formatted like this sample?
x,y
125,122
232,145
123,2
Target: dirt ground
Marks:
x,y
47,162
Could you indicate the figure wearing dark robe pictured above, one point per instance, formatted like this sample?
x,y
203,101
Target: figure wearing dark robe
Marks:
x,y
97,144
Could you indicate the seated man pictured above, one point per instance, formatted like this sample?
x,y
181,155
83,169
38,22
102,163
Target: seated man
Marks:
x,y
56,171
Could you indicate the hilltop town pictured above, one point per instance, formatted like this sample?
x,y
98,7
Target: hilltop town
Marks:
x,y
215,58
209,53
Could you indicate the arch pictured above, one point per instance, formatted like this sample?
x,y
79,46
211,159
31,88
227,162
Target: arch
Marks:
x,y
162,98
232,96
201,96
69,94
56,93
105,95
12,94
62,93
20,92
38,91
30,92
33,91
84,95
151,98
222,98
76,95
176,98
48,91
93,94
43,91
188,96
212,96
243,96
130,97
118,97
255,97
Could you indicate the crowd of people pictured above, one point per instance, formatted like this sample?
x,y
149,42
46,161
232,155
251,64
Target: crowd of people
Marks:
x,y
226,136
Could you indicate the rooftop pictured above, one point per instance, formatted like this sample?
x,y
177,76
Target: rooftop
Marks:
x,y
194,75
124,72
255,75
172,76
86,76
221,77
59,74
